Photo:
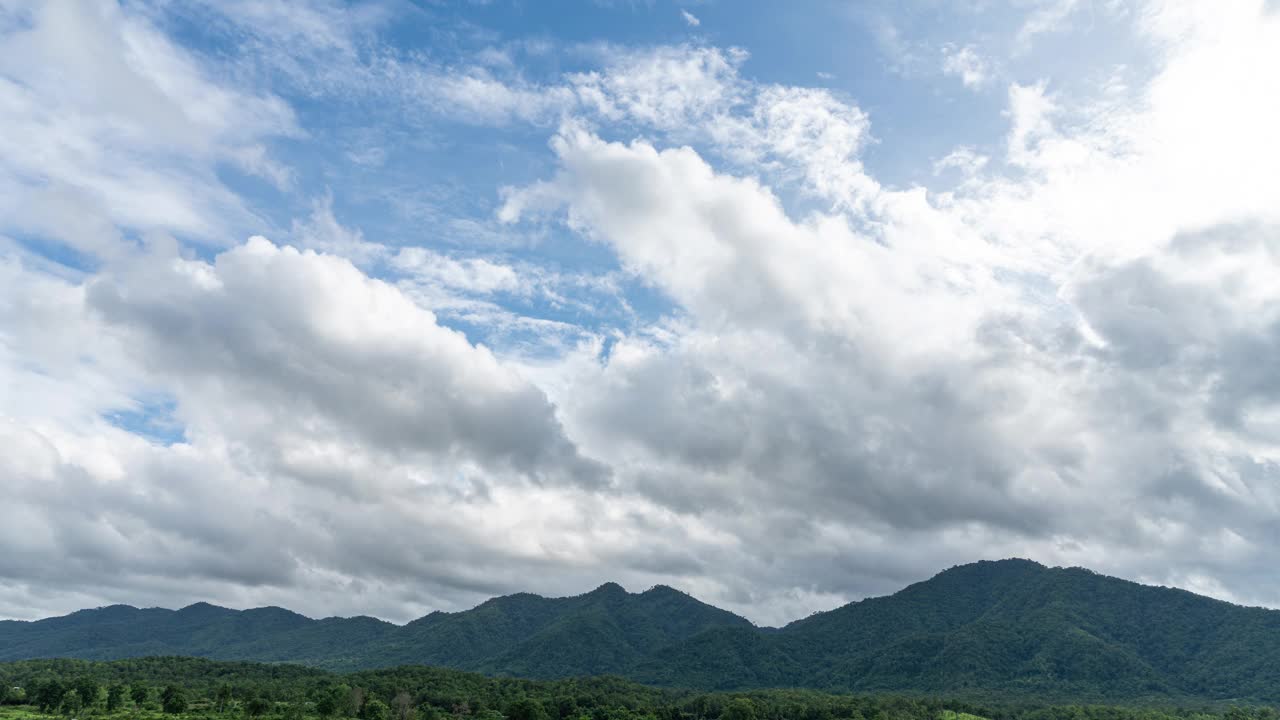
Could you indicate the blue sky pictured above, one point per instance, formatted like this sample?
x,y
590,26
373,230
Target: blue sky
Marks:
x,y
410,171
388,307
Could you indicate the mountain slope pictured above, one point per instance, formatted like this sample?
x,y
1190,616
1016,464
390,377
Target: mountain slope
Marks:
x,y
1010,626
604,631
1007,627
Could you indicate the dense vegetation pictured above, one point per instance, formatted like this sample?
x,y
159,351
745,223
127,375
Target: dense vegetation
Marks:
x,y
1003,629
194,689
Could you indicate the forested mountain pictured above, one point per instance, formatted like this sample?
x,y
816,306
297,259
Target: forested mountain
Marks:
x,y
1011,627
1007,627
607,630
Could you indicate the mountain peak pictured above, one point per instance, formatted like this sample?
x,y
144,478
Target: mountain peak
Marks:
x,y
105,612
204,608
273,610
991,568
609,588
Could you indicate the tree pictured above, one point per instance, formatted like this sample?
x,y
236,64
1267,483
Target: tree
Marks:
x,y
334,700
47,694
71,702
18,696
566,707
257,707
526,709
115,697
740,709
375,709
87,688
173,700
355,702
222,698
341,695
402,706
138,694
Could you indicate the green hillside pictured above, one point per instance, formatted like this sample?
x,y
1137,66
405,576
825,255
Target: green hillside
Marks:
x,y
1011,626
989,629
607,630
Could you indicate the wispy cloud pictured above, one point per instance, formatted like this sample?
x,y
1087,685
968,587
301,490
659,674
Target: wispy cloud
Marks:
x,y
965,63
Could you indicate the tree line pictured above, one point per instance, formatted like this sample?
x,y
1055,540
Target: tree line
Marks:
x,y
209,690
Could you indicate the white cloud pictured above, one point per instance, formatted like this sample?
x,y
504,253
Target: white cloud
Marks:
x,y
477,275
323,233
664,87
965,159
105,114
966,64
1048,16
689,18
1027,309
365,364
1030,113
380,422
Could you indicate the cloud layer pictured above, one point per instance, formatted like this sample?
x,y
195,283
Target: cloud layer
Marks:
x,y
786,384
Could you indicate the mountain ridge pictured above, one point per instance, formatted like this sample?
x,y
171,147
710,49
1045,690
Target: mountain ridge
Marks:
x,y
205,606
655,588
1009,626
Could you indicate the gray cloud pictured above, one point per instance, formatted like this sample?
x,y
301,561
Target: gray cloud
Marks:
x,y
287,341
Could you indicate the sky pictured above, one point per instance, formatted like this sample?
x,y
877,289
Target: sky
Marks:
x,y
385,307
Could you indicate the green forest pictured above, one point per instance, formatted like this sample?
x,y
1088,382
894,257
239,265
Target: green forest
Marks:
x,y
173,688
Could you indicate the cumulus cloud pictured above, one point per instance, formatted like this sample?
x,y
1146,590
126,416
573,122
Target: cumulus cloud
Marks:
x,y
362,363
1005,323
377,416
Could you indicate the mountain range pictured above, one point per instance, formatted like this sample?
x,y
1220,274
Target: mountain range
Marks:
x,y
1009,627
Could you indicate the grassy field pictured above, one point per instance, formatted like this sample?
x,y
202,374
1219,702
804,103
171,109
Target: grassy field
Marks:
x,y
953,715
197,711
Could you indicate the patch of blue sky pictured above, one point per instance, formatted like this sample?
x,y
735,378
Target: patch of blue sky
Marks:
x,y
547,317
53,250
415,186
152,419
